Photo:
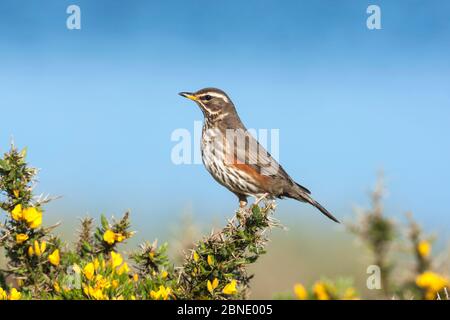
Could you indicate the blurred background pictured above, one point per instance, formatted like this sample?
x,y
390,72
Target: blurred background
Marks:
x,y
96,108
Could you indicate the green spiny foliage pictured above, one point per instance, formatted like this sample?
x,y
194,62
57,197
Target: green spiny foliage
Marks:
x,y
27,244
219,261
42,267
85,241
378,233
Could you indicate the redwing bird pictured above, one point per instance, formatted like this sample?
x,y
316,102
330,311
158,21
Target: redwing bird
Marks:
x,y
236,160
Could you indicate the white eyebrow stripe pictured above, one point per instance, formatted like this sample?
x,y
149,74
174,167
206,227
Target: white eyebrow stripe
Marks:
x,y
216,95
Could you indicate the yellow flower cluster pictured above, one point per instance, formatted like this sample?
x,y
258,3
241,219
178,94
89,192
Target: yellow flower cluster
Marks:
x,y
32,216
230,288
37,249
13,294
211,286
424,248
116,262
320,291
97,283
96,289
162,294
21,238
432,283
328,291
110,237
300,292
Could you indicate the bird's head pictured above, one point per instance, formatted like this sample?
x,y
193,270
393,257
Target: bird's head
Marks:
x,y
214,103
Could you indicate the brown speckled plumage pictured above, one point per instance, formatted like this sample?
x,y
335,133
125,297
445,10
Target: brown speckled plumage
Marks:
x,y
235,159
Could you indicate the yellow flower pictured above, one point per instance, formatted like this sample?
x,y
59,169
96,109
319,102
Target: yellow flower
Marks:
x,y
101,283
210,260
135,277
89,271
163,293
212,285
123,269
151,255
116,259
30,251
16,214
3,294
94,293
300,292
36,223
39,249
164,274
43,246
16,193
424,248
109,237
57,287
196,257
96,263
21,238
14,294
115,283
350,294
166,293
119,237
32,216
230,288
54,258
320,291
432,283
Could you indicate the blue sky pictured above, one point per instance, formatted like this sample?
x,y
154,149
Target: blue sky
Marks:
x,y
96,106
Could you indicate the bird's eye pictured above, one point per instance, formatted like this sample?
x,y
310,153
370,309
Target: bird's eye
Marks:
x,y
206,97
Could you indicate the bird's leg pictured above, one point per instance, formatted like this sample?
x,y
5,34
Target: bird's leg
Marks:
x,y
242,206
242,200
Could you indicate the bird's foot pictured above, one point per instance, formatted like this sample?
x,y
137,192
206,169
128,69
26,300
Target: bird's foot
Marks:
x,y
261,198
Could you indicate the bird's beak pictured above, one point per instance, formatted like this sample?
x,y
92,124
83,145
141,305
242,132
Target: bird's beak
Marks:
x,y
188,95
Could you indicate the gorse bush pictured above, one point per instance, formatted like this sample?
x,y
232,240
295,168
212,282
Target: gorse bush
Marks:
x,y
40,266
380,235
220,260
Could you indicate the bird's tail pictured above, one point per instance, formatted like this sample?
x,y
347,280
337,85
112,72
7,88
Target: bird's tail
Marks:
x,y
301,195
